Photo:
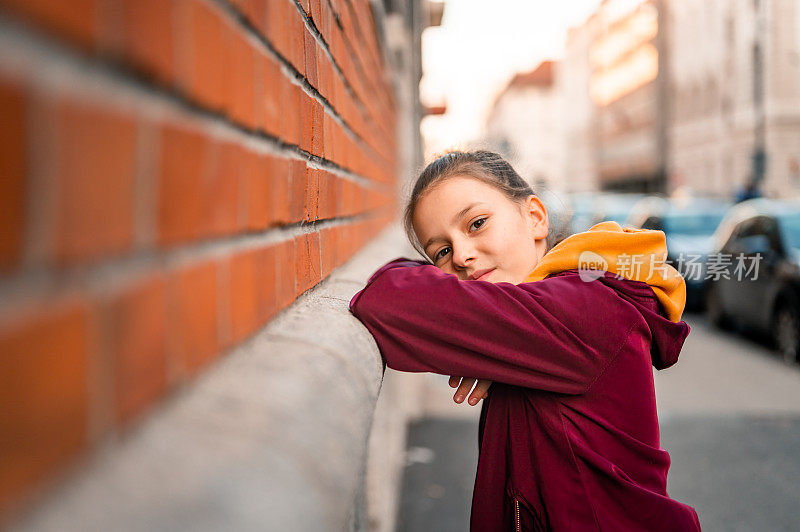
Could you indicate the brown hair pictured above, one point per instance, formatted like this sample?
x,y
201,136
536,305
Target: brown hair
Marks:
x,y
486,166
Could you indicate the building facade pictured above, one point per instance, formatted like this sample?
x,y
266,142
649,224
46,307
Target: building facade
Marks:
x,y
524,125
577,116
735,95
626,87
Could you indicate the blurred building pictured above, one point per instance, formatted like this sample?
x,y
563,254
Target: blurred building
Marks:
x,y
524,125
626,87
577,116
735,95
597,120
653,95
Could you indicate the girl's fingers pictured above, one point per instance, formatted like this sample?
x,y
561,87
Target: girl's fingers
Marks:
x,y
480,391
453,382
463,390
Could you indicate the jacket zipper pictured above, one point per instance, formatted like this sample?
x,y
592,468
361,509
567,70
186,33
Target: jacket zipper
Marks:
x,y
516,513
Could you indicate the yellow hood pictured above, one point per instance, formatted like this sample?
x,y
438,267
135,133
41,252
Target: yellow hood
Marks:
x,y
636,254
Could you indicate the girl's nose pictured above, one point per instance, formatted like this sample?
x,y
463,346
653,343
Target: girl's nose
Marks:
x,y
463,256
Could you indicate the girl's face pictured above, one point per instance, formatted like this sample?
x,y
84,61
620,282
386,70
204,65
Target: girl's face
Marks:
x,y
467,226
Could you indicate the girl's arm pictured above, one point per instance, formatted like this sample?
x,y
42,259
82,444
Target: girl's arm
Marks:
x,y
557,334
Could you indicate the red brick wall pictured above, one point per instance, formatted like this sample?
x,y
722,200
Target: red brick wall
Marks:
x,y
174,173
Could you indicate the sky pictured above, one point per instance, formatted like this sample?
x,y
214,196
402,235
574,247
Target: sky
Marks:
x,y
478,48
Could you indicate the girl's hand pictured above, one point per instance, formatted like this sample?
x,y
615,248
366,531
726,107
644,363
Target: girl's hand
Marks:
x,y
464,385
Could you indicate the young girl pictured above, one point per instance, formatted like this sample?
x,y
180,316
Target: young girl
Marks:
x,y
566,334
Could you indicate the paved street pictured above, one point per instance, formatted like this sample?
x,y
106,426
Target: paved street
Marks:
x,y
730,419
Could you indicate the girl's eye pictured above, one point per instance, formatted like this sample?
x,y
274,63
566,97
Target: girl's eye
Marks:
x,y
473,224
439,255
478,220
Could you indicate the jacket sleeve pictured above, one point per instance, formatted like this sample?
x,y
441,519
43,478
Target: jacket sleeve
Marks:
x,y
556,334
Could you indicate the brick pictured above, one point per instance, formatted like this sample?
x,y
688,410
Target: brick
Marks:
x,y
277,30
350,196
273,85
208,73
356,237
308,261
307,121
241,5
267,289
221,196
96,170
344,238
311,208
328,125
298,183
317,132
341,147
310,58
315,12
287,110
180,203
244,294
15,166
43,421
193,322
73,21
243,92
281,195
135,321
249,7
256,12
286,273
296,27
148,35
259,100
335,144
223,267
327,27
349,153
328,248
296,123
324,205
335,190
259,195
325,74
346,197
381,201
291,128
360,199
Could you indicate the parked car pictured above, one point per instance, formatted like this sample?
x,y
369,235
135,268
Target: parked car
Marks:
x,y
581,211
766,233
590,208
616,207
688,224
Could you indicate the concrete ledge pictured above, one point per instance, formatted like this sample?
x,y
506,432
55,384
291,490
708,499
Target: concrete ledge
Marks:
x,y
272,437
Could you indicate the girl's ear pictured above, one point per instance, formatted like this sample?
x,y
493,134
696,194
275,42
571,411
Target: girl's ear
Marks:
x,y
539,219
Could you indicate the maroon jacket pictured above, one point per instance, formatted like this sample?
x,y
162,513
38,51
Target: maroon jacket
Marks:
x,y
569,436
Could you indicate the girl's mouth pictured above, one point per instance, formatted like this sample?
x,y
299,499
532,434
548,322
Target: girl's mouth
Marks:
x,y
481,275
